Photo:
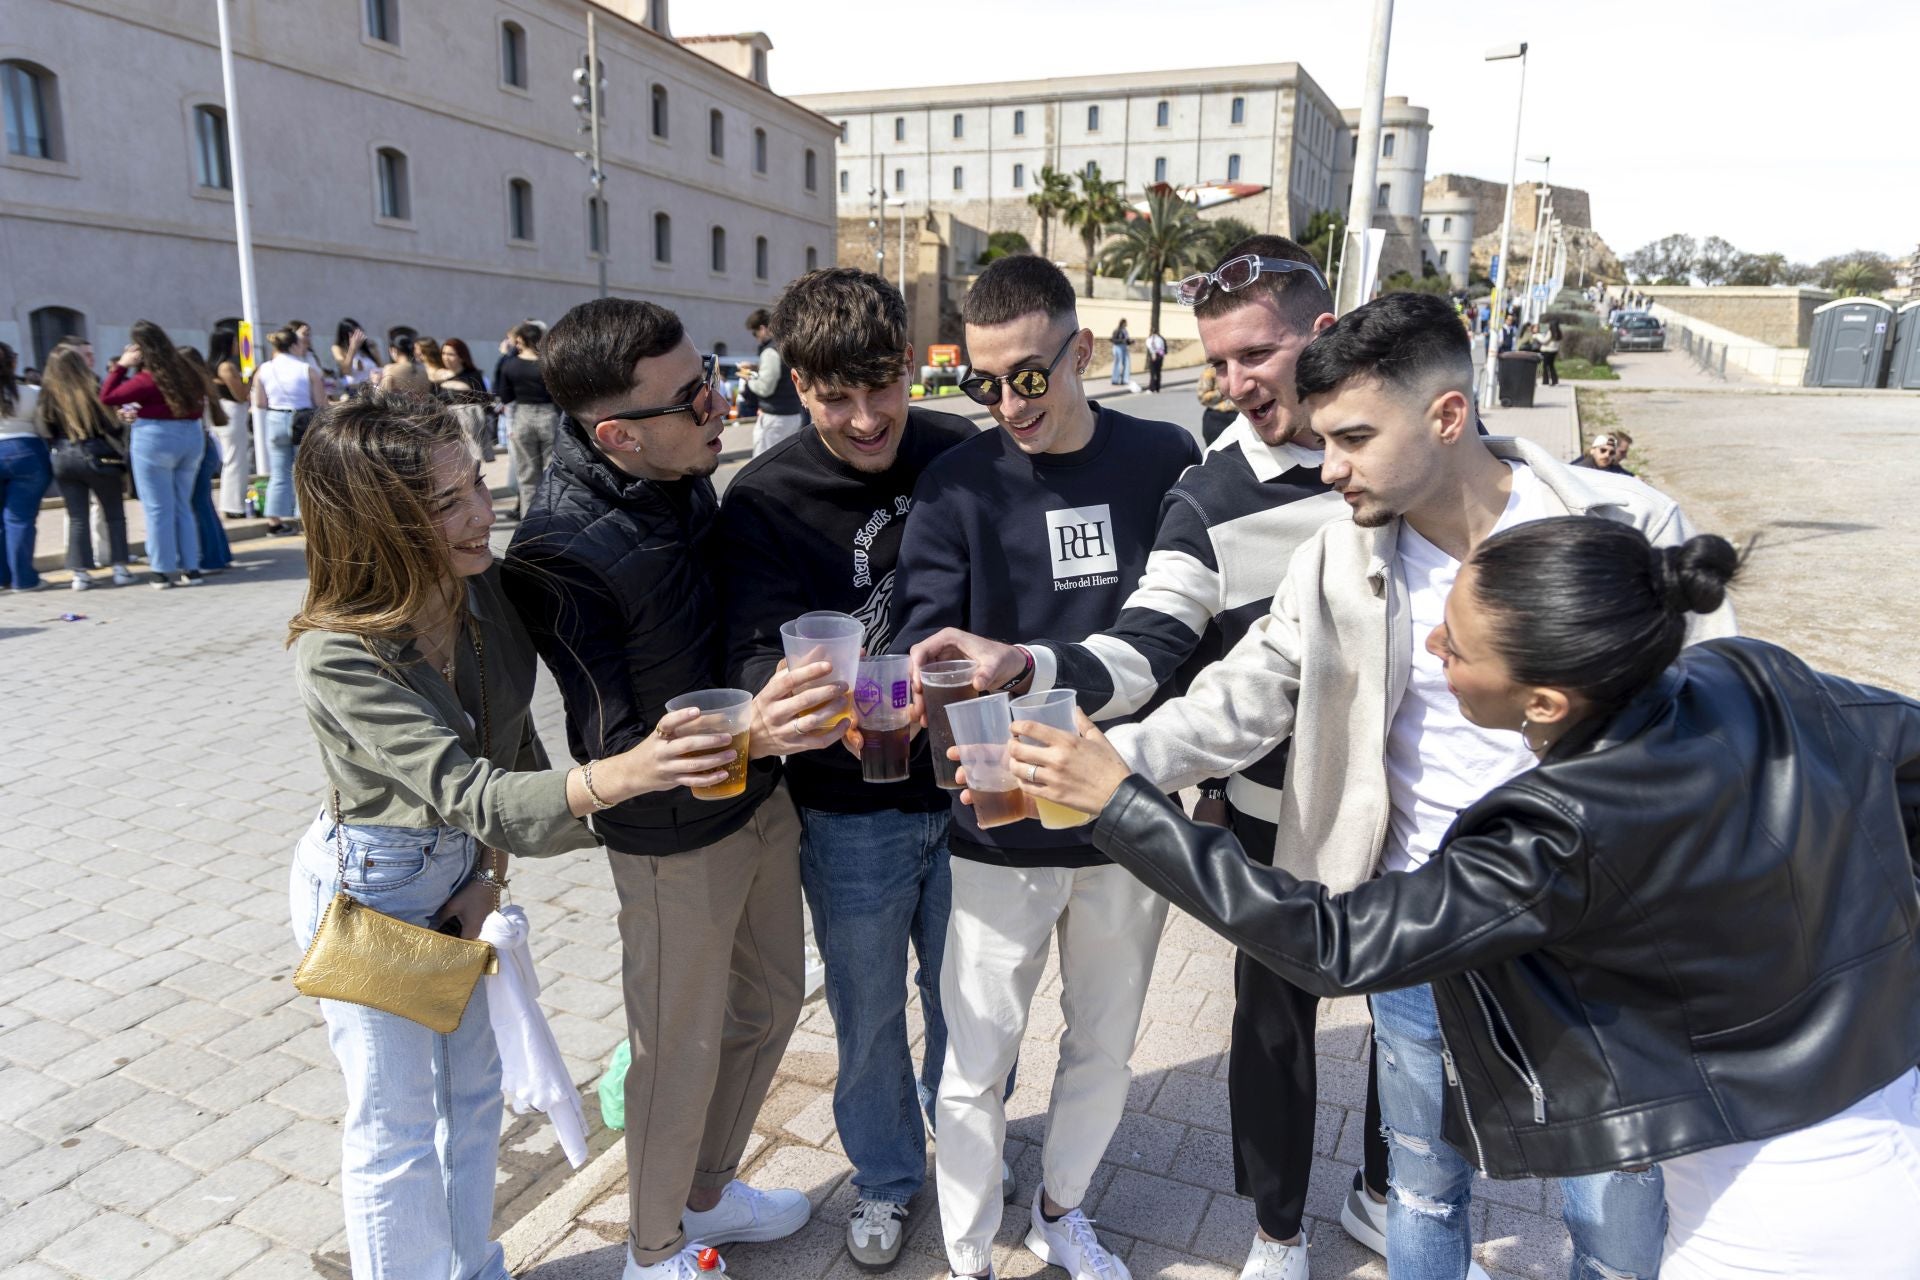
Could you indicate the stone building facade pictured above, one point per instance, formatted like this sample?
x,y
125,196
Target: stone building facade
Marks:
x,y
409,162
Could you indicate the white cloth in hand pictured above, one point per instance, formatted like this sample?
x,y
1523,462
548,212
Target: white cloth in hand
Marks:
x,y
533,1075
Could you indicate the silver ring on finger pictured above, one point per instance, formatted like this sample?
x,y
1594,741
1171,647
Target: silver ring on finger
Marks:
x,y
1033,773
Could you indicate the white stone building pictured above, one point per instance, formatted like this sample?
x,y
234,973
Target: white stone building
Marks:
x,y
410,162
974,152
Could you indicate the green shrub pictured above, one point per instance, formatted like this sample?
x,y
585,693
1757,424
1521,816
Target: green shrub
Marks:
x,y
1585,370
1002,243
1595,346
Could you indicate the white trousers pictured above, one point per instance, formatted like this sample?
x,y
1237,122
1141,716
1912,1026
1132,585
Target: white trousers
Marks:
x,y
1109,927
236,456
1838,1200
769,429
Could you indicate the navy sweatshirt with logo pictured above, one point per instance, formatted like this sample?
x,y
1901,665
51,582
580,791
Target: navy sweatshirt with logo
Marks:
x,y
1014,547
801,530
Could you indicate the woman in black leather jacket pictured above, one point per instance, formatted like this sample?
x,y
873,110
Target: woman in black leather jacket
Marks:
x,y
1687,936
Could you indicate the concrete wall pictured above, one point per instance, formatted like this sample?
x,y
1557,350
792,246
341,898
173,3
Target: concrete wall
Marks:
x,y
1778,317
119,230
1722,351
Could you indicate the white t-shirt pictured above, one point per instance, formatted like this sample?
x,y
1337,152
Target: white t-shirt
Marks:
x,y
1439,762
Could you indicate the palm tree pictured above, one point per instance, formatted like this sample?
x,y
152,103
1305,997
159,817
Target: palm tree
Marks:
x,y
1051,200
1169,239
1092,210
1851,279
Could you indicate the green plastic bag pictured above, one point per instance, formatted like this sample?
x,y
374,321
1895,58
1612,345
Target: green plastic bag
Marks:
x,y
613,1087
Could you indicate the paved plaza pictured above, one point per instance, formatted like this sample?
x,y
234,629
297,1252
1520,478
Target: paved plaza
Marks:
x,y
168,1104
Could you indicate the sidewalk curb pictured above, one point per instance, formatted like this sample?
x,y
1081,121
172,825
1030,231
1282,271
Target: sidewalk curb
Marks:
x,y
544,1225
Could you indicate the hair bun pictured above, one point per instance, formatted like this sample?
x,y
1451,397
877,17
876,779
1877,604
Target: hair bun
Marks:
x,y
1693,577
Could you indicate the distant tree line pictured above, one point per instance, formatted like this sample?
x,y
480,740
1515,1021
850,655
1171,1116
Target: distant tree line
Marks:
x,y
1681,259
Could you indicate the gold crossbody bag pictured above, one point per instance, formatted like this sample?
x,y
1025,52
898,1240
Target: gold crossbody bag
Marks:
x,y
364,957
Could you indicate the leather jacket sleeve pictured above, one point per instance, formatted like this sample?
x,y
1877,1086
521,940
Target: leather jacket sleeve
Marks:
x,y
1890,723
1510,885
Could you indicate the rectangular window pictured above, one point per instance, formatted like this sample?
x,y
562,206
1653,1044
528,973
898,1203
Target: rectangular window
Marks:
x,y
1092,170
810,171
759,150
1443,257
662,238
513,55
1386,144
719,255
959,178
382,21
899,179
1233,168
845,179
1239,111
659,122
813,258
210,145
716,134
1386,192
520,209
1019,124
1446,225
1162,113
26,111
1423,224
393,184
760,256
843,131
1019,176
1159,168
1093,119
899,128
959,125
759,66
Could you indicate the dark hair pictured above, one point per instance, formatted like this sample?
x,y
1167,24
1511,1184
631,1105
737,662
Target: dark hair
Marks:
x,y
9,381
343,331
180,386
587,358
1403,340
842,326
221,343
529,334
1018,285
400,331
400,345
1300,298
1589,605
757,317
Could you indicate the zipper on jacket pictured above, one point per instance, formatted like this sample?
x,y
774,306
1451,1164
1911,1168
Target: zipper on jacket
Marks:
x,y
1453,1078
1484,997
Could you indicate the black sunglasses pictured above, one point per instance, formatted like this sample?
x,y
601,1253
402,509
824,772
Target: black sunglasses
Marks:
x,y
1236,274
702,414
985,388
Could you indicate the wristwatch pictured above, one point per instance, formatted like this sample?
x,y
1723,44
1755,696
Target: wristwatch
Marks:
x,y
1025,671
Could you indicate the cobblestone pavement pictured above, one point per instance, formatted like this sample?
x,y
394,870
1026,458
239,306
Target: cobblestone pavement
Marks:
x,y
168,1104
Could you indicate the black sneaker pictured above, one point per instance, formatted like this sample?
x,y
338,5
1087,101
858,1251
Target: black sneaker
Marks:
x,y
193,579
159,582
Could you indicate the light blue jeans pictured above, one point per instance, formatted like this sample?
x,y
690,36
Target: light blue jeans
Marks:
x,y
421,1137
165,455
280,500
877,884
1618,1221
1122,365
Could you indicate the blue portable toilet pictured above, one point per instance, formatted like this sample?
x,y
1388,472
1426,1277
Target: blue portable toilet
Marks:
x,y
1850,341
1905,370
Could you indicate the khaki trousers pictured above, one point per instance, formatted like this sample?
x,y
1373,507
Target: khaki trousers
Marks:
x,y
712,969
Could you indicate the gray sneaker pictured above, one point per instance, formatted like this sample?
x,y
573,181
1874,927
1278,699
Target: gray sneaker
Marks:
x,y
875,1231
1007,1187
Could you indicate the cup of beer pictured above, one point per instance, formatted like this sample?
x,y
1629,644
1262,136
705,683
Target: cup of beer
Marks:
x,y
825,636
728,711
1054,708
941,685
882,702
982,731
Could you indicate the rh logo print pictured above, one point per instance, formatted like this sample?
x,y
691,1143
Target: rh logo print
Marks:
x,y
1080,541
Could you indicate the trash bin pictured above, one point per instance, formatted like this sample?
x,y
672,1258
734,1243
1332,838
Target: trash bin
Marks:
x,y
1519,371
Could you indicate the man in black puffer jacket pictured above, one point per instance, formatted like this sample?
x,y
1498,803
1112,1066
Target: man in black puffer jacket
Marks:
x,y
607,572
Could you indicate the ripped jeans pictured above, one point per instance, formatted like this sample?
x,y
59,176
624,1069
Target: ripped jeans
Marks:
x,y
1618,1221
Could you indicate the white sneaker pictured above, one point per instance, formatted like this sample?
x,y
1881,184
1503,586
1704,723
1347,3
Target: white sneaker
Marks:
x,y
1364,1218
1071,1245
875,1231
747,1216
691,1263
123,576
1269,1260
82,580
1007,1186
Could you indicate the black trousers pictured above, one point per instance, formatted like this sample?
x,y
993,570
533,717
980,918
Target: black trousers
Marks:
x,y
1271,1080
78,472
1153,371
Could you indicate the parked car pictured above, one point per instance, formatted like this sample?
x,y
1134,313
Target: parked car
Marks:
x,y
1638,331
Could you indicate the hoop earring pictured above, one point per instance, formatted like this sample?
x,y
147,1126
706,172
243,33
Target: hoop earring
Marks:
x,y
1526,724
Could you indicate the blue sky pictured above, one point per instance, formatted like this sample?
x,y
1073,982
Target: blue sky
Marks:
x,y
1702,116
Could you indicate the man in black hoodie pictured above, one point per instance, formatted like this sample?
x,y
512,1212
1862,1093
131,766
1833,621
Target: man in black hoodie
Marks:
x,y
608,571
816,523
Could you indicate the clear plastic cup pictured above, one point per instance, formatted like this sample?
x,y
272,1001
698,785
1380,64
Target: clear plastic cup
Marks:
x,y
826,636
941,685
728,711
981,732
1054,708
882,705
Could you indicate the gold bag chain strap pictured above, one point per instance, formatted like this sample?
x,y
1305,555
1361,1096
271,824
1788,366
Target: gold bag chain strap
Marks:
x,y
362,956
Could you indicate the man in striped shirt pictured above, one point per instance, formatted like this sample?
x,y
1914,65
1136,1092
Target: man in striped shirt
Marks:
x,y
1227,531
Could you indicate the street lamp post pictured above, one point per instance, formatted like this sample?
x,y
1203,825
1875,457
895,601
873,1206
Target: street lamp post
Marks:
x,y
242,216
1490,391
1366,163
591,84
897,203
